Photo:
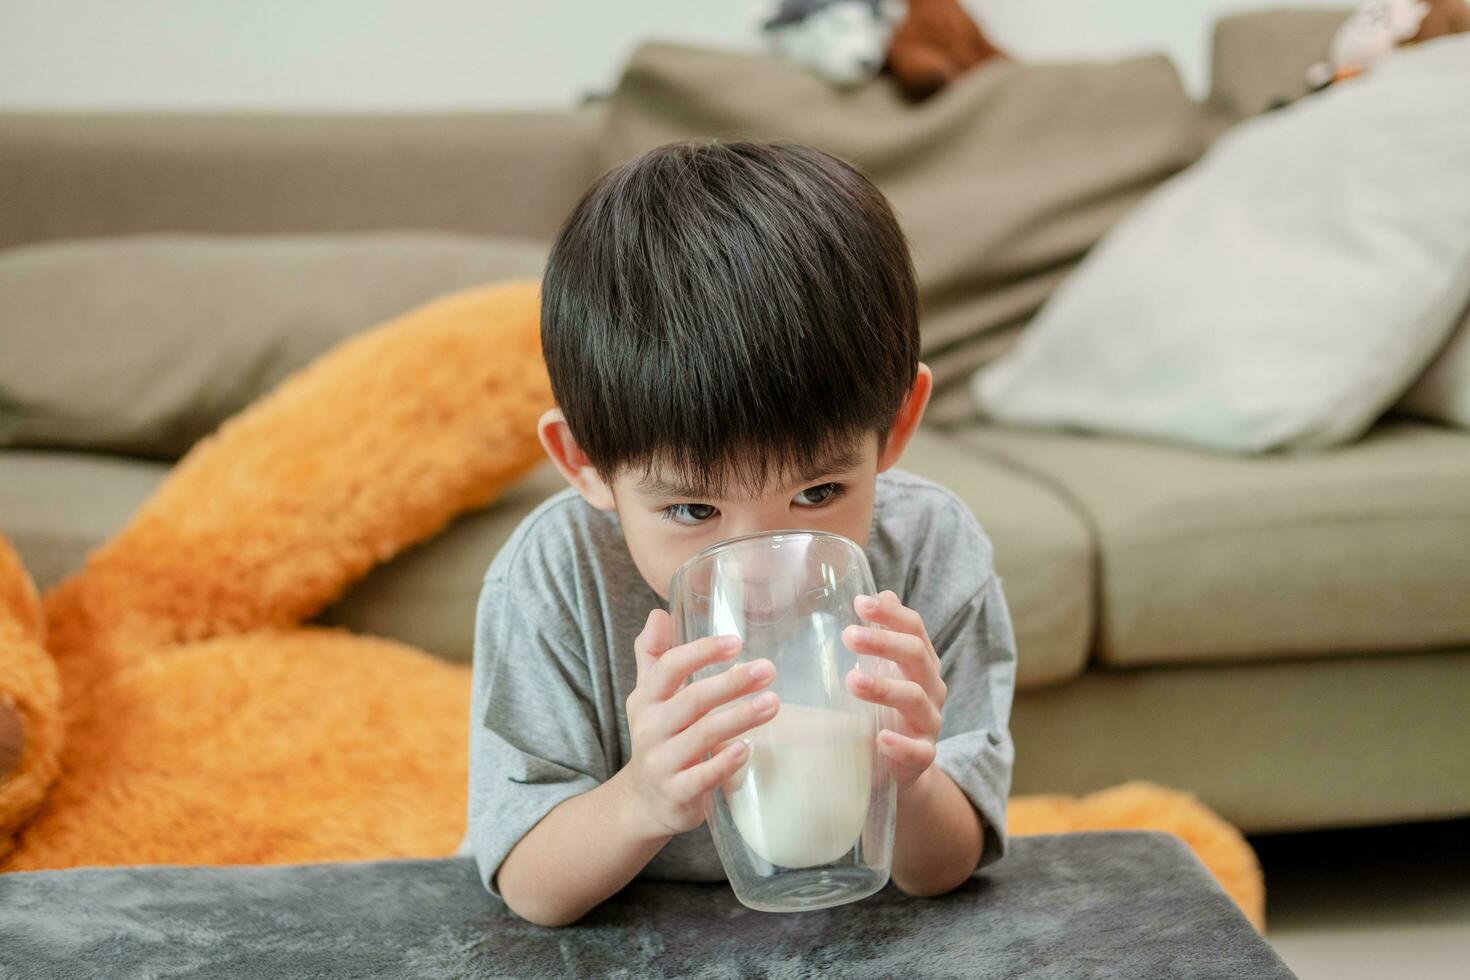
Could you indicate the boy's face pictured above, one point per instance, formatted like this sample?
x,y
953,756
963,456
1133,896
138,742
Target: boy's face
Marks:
x,y
666,524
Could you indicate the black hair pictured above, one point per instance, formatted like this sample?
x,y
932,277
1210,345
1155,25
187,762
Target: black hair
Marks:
x,y
730,309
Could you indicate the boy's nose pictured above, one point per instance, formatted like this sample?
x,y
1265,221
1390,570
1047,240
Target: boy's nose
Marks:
x,y
767,559
766,517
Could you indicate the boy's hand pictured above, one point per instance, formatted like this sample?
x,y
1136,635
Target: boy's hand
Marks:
x,y
674,726
917,697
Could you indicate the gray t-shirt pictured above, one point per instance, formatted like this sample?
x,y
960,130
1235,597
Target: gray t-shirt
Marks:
x,y
554,664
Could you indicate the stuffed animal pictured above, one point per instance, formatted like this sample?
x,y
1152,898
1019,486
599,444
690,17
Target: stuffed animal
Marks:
x,y
165,704
935,44
1444,17
1142,805
196,721
924,44
843,41
1378,27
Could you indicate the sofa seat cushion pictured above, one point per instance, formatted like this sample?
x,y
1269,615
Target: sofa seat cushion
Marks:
x,y
1043,554
1270,746
1207,556
56,506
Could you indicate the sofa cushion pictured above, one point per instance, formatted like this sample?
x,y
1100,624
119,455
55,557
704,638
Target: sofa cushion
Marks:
x,y
1268,745
1001,181
1442,392
142,344
1207,556
1282,292
1043,553
55,506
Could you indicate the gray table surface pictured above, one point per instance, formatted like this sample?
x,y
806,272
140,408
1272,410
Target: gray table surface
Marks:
x,y
1113,904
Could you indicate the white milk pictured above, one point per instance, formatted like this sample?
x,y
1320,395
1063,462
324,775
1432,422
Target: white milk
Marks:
x,y
802,797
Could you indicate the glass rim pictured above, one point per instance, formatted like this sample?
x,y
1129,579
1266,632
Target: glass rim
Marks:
x,y
740,539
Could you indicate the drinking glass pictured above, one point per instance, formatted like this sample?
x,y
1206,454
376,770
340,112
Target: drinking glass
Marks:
x,y
807,821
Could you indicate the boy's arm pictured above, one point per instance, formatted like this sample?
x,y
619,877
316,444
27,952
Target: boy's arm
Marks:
x,y
939,840
587,848
949,742
590,845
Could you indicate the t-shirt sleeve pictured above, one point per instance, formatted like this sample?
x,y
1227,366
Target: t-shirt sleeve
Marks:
x,y
533,729
977,656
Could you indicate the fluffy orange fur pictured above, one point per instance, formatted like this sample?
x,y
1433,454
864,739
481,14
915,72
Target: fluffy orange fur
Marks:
x,y
203,724
1144,806
30,697
177,711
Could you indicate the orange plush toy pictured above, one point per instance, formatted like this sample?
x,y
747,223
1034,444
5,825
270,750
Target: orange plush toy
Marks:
x,y
935,44
165,704
198,722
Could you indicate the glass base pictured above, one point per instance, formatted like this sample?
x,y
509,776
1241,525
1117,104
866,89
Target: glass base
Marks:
x,y
809,890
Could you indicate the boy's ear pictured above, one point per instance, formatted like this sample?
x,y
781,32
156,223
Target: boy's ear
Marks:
x,y
908,418
556,436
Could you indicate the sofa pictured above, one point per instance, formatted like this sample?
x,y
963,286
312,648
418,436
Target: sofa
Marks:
x,y
1286,636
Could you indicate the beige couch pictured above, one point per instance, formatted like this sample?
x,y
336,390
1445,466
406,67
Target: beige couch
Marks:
x,y
1288,637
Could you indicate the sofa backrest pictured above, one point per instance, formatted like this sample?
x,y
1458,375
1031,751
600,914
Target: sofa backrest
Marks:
x,y
86,174
82,175
1261,59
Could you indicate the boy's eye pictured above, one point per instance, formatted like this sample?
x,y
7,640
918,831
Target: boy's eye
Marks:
x,y
818,495
689,513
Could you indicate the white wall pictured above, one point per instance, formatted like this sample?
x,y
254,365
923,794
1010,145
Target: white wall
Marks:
x,y
435,54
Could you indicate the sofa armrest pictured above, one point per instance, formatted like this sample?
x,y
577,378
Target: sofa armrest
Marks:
x,y
81,174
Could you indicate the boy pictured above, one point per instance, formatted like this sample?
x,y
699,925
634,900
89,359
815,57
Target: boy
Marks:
x,y
731,330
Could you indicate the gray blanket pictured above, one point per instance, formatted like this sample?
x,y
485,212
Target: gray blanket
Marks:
x,y
1135,905
1001,182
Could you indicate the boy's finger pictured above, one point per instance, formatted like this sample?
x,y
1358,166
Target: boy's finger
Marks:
x,y
886,609
911,653
671,668
718,727
696,700
654,641
916,754
696,781
905,697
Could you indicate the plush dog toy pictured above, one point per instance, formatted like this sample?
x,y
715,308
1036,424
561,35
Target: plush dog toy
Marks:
x,y
196,720
843,41
164,705
924,44
934,45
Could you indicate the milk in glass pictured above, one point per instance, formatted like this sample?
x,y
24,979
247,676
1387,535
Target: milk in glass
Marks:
x,y
801,798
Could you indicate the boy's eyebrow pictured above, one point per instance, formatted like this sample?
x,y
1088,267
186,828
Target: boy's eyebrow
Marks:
x,y
833,462
655,485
